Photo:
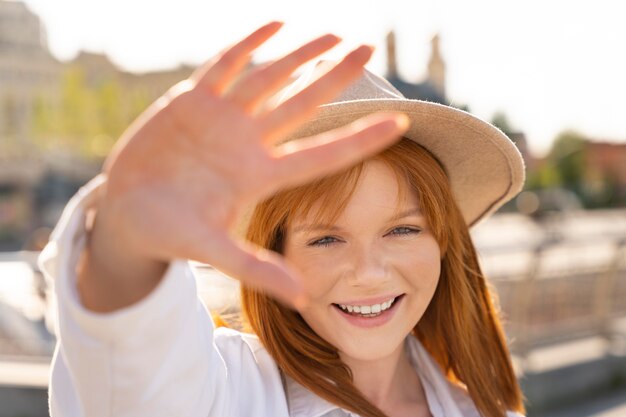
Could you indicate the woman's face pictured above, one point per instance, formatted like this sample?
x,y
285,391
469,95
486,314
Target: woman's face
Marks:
x,y
365,261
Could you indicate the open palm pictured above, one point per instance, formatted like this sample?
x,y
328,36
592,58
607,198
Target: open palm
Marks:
x,y
181,174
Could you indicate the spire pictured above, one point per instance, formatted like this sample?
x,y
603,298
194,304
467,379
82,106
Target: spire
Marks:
x,y
392,69
437,67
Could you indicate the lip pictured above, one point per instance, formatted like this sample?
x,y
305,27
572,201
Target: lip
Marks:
x,y
369,301
369,322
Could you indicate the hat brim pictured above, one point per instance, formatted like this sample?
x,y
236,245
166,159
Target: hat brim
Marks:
x,y
484,167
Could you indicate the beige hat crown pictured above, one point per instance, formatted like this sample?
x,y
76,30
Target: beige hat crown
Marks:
x,y
484,167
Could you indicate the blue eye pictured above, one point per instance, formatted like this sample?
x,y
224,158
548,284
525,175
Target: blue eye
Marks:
x,y
325,241
398,231
403,230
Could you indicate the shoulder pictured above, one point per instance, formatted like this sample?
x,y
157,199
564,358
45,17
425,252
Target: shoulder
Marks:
x,y
444,390
251,369
228,338
245,352
463,400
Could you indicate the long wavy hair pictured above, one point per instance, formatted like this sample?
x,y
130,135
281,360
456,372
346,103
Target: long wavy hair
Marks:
x,y
460,328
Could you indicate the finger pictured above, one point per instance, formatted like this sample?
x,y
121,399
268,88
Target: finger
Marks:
x,y
299,108
219,72
263,82
303,160
254,266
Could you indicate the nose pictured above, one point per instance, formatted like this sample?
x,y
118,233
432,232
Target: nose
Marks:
x,y
368,268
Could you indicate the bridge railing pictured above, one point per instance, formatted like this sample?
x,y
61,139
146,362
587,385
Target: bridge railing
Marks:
x,y
559,288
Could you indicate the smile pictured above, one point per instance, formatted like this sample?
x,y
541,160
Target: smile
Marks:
x,y
369,315
368,310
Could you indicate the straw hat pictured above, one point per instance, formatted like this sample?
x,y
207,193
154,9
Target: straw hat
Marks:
x,y
484,167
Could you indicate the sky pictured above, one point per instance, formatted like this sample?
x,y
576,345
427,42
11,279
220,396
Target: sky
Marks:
x,y
549,65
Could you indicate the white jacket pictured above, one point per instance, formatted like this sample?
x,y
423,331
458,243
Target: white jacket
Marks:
x,y
163,356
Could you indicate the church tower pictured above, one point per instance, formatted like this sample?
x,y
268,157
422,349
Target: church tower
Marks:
x,y
392,68
437,67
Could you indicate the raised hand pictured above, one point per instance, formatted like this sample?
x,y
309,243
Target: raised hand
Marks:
x,y
181,174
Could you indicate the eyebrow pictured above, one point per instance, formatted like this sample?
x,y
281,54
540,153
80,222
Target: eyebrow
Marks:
x,y
313,227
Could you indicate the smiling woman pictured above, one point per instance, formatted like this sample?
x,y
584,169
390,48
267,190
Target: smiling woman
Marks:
x,y
360,282
371,243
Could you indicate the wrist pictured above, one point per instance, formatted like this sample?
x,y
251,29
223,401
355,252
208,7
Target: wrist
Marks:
x,y
110,274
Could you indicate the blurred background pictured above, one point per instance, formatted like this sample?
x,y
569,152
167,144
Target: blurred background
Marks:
x,y
74,74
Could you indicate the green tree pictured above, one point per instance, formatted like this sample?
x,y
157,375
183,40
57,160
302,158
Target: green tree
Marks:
x,y
568,157
501,121
79,120
110,115
45,128
86,119
545,176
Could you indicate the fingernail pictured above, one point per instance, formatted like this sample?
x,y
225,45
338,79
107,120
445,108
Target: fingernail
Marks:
x,y
275,25
370,48
333,37
402,121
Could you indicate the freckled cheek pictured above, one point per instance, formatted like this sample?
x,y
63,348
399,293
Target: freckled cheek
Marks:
x,y
319,274
422,267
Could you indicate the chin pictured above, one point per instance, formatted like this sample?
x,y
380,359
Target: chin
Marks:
x,y
370,348
368,355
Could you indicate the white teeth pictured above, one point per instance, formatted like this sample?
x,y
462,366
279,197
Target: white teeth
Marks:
x,y
371,309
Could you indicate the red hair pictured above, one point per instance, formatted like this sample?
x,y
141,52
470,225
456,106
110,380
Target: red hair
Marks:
x,y
460,328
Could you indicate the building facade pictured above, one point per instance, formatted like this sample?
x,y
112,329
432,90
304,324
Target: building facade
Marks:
x,y
433,88
27,69
35,183
604,170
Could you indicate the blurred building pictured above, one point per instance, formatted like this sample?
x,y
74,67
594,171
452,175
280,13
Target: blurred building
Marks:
x,y
26,68
29,71
35,185
98,68
433,88
605,168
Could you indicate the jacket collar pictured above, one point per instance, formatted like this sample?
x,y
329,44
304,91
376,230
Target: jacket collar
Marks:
x,y
304,403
